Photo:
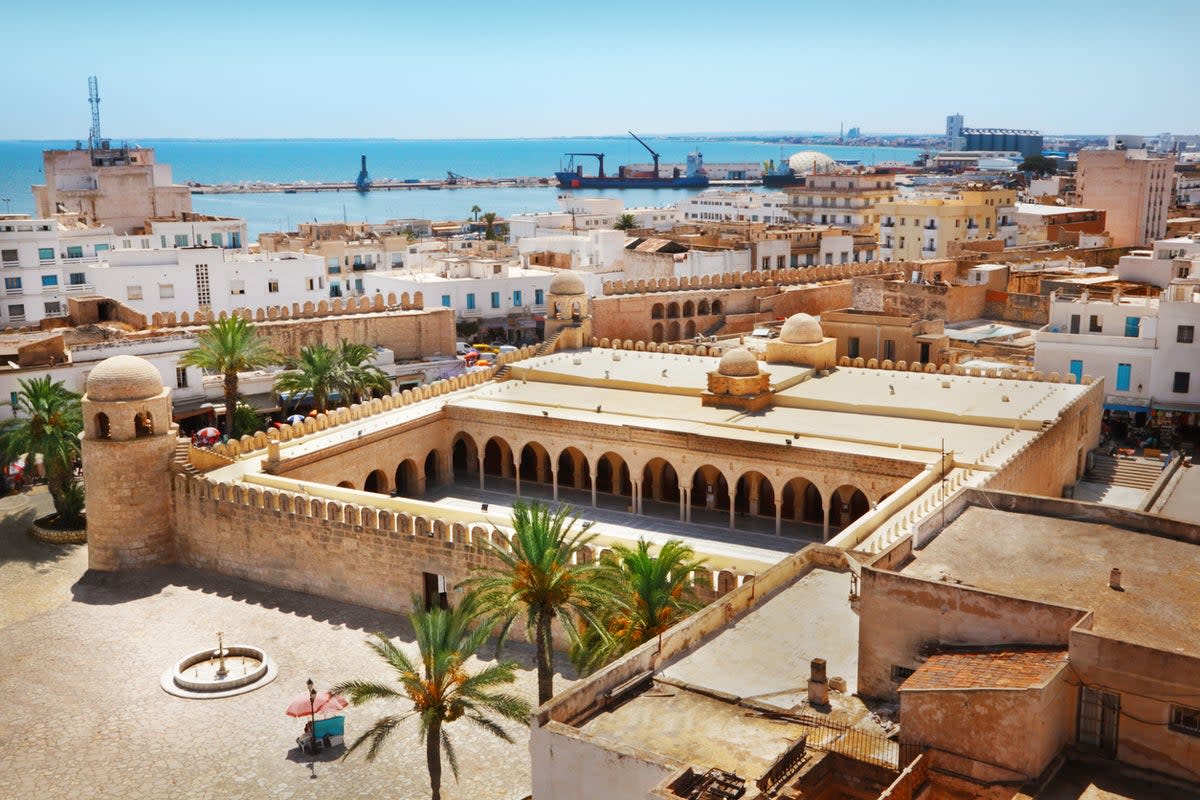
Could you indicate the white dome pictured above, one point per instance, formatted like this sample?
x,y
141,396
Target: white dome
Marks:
x,y
567,283
801,329
122,378
738,363
809,161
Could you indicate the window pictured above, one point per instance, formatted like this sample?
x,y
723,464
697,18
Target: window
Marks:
x,y
133,292
181,240
103,248
181,377
900,674
235,239
471,301
75,251
889,349
237,287
12,285
273,286
495,299
517,297
319,283
1182,379
166,291
445,301
1185,334
539,297
16,312
852,346
1185,720
49,280
76,279
1077,369
162,241
53,308
46,253
8,255
216,239
1096,323
1123,374
203,291
1132,326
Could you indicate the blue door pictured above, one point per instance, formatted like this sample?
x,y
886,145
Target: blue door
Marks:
x,y
1077,369
1123,371
1132,325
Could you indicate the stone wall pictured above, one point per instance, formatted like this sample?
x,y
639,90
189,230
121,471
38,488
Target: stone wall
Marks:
x,y
754,278
1030,309
923,300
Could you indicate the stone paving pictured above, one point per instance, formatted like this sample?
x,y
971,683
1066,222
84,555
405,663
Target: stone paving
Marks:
x,y
84,715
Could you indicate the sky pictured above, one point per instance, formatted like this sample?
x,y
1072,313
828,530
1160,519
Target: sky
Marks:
x,y
468,69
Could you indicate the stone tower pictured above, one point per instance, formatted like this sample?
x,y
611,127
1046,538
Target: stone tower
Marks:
x,y
128,439
567,311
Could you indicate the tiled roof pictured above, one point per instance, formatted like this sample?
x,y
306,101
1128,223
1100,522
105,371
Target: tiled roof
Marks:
x,y
997,669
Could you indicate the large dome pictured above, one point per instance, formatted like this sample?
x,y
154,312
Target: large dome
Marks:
x,y
801,329
567,282
123,378
738,363
808,161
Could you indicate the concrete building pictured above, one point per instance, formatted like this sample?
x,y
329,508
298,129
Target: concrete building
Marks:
x,y
1051,223
190,278
1169,260
868,334
118,187
922,226
190,230
599,251
1144,348
848,199
1025,142
1133,187
582,214
720,205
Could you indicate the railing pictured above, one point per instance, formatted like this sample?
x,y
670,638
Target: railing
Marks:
x,y
47,262
73,288
81,260
11,292
911,781
785,767
10,263
16,317
62,312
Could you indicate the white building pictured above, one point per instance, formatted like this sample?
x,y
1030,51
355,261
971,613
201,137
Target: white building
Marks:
x,y
1170,259
718,205
41,262
187,279
582,214
190,230
1145,349
500,295
594,251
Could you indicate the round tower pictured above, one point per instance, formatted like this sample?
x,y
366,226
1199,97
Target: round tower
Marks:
x,y
567,312
128,438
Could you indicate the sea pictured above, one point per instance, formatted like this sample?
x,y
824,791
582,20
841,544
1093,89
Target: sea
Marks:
x,y
218,161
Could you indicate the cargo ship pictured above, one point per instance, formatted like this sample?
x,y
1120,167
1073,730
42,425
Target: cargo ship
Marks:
x,y
572,176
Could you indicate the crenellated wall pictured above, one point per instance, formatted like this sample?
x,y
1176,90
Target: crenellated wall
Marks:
x,y
754,278
307,310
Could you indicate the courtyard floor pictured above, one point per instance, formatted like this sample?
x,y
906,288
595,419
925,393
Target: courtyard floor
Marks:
x,y
84,715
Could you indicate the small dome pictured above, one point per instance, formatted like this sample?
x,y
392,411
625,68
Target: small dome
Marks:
x,y
801,329
123,378
808,161
738,363
567,282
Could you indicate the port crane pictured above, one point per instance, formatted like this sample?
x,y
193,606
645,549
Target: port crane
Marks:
x,y
653,154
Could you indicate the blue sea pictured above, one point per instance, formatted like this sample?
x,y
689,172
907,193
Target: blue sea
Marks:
x,y
314,160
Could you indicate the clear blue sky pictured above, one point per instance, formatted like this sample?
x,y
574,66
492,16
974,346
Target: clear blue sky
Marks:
x,y
467,69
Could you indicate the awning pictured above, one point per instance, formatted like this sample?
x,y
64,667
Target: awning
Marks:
x,y
1186,408
1126,407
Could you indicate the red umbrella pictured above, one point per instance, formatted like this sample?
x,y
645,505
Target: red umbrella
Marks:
x,y
325,703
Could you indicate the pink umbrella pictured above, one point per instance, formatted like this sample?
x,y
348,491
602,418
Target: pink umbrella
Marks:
x,y
323,703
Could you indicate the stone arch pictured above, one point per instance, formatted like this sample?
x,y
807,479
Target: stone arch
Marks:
x,y
718,307
660,481
345,485
754,495
376,482
103,427
498,458
847,504
432,468
689,308
656,311
710,489
702,308
464,455
801,501
574,471
673,331
656,333
689,329
408,482
612,475
143,424
672,310
535,463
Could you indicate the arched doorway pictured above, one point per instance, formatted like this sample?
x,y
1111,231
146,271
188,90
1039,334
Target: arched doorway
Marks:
x,y
406,479
710,490
464,456
535,464
702,308
573,470
497,458
673,331
660,482
612,475
431,470
656,311
801,501
754,495
377,482
143,424
848,504
689,309
657,332
689,329
718,307
103,431
672,310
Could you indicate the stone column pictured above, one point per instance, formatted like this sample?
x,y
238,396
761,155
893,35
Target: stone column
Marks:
x,y
732,510
554,481
481,475
825,528
517,472
779,519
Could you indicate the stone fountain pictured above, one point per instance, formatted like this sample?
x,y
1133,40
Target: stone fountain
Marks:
x,y
223,672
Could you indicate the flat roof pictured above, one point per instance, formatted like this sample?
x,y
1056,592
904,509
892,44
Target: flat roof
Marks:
x,y
1046,211
1067,562
995,669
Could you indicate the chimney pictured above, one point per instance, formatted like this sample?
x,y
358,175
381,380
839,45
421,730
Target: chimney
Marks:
x,y
1114,579
818,684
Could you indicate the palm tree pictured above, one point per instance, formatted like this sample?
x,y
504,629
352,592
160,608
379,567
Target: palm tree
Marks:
x,y
356,378
438,686
230,346
625,222
475,210
47,420
653,592
314,373
537,579
489,225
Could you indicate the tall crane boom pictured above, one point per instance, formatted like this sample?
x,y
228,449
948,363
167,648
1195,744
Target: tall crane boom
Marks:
x,y
653,154
94,102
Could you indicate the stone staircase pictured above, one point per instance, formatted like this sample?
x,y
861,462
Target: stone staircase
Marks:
x,y
180,461
1132,473
713,329
544,348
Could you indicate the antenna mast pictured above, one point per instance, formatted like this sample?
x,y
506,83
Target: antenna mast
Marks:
x,y
94,101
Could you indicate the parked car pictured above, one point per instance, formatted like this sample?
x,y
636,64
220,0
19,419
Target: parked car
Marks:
x,y
461,348
506,348
484,348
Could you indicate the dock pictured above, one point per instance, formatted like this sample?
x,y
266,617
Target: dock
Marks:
x,y
384,185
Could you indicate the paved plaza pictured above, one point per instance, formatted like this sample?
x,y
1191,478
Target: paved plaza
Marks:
x,y
84,715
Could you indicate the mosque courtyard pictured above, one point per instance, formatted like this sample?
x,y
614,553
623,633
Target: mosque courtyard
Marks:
x,y
85,716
